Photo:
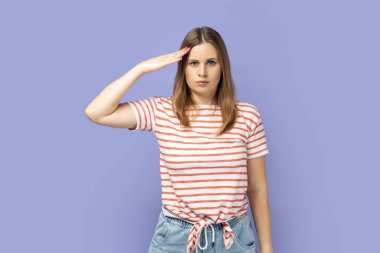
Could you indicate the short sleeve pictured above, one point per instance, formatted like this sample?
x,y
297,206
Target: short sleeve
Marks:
x,y
257,143
145,113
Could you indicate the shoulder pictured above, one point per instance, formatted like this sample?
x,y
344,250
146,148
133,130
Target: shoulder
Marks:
x,y
250,113
248,109
163,100
157,98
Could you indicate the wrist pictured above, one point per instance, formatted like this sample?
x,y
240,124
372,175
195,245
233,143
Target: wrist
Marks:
x,y
266,250
138,68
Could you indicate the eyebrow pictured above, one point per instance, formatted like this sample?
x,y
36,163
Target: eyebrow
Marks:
x,y
207,59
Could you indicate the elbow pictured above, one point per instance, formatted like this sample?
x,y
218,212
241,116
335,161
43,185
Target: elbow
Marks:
x,y
89,116
256,189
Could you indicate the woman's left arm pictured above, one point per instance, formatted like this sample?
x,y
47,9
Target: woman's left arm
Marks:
x,y
258,197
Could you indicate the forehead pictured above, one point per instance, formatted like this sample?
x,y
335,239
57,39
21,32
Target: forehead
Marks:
x,y
203,51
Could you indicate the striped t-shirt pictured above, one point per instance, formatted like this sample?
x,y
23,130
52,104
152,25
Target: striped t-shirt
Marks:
x,y
203,176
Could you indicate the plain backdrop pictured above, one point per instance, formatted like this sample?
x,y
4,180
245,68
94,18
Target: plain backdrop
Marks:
x,y
311,67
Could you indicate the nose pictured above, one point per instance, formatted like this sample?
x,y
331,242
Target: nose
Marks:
x,y
202,71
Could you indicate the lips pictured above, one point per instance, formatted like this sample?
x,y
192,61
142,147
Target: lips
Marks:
x,y
202,82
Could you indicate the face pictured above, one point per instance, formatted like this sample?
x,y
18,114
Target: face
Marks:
x,y
203,65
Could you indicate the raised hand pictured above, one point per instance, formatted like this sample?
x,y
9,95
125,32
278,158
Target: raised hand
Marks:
x,y
163,60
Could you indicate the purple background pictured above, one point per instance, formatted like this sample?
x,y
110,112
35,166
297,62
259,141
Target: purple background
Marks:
x,y
68,185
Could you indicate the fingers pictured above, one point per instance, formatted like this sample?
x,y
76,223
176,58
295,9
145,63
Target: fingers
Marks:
x,y
185,50
175,56
182,52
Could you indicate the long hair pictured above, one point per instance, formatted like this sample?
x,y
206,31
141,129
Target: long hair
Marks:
x,y
225,92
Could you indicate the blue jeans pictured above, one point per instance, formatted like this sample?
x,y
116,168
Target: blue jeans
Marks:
x,y
171,236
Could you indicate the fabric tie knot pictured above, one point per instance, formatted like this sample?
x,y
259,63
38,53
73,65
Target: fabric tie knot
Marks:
x,y
195,232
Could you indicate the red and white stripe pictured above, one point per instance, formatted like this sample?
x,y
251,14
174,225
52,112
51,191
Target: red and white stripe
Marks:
x,y
203,177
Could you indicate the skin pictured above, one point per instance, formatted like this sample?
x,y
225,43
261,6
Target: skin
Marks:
x,y
203,64
106,109
258,197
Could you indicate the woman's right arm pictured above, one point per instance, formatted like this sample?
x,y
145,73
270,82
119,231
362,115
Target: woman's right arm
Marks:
x,y
106,108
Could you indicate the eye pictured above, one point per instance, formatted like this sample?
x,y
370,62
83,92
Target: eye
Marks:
x,y
211,62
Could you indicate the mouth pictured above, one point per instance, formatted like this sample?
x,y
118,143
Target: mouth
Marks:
x,y
202,82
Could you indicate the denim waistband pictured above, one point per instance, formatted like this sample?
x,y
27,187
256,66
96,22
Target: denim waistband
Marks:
x,y
185,224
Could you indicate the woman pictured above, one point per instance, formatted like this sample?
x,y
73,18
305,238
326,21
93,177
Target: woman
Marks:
x,y
212,149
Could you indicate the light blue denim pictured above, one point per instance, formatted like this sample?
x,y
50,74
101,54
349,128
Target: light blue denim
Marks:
x,y
171,236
